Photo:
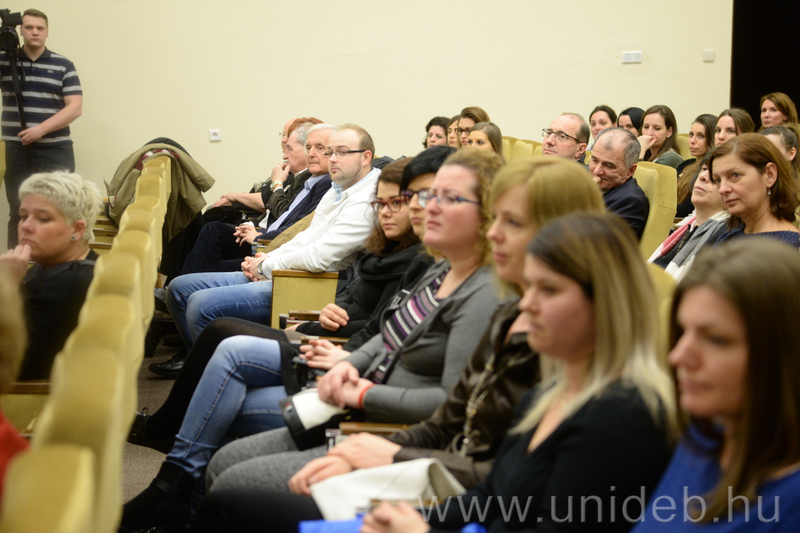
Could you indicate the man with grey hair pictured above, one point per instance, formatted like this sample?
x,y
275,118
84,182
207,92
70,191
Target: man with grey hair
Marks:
x,y
612,164
270,196
566,137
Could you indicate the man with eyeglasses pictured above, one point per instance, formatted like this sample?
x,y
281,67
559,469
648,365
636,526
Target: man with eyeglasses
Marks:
x,y
612,164
566,137
342,222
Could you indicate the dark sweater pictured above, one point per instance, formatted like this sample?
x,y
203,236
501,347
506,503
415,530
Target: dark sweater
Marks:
x,y
610,448
53,299
419,265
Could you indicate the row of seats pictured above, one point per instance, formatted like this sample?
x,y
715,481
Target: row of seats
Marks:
x,y
514,148
71,480
659,183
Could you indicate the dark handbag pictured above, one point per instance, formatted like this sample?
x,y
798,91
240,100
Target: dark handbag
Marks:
x,y
307,417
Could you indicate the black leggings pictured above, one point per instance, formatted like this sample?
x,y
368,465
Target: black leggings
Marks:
x,y
166,422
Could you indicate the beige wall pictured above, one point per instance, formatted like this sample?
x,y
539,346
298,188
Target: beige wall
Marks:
x,y
178,68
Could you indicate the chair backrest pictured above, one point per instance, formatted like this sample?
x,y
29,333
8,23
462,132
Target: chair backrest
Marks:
x,y
139,216
522,148
665,290
109,321
660,185
118,273
682,141
149,185
508,146
86,407
50,490
161,165
299,289
138,243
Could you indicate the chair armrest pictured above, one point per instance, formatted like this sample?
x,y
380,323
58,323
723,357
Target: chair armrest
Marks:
x,y
304,314
304,274
349,428
32,386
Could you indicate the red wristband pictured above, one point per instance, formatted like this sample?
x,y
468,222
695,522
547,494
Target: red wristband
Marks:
x,y
361,396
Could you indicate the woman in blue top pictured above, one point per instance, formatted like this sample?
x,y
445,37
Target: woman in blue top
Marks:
x,y
757,187
736,360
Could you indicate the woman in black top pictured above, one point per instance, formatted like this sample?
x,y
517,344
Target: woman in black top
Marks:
x,y
57,213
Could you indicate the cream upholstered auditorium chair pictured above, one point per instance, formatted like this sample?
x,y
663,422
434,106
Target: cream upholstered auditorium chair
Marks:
x,y
86,407
49,490
660,185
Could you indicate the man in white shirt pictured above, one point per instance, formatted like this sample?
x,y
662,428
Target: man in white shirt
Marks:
x,y
342,222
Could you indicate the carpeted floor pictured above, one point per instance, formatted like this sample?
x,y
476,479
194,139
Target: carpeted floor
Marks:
x,y
139,464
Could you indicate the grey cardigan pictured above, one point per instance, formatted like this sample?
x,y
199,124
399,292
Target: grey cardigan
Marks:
x,y
433,355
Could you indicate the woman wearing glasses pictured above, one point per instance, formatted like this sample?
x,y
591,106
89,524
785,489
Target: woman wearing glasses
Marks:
x,y
428,335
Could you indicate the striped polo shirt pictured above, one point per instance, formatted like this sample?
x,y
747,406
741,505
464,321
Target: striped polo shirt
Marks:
x,y
47,81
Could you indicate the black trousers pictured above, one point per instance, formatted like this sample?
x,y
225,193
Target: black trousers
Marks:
x,y
253,510
21,162
216,250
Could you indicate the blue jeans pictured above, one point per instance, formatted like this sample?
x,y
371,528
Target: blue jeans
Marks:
x,y
194,300
237,396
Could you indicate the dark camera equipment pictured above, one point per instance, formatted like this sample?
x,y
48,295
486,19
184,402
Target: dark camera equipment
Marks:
x,y
9,40
9,45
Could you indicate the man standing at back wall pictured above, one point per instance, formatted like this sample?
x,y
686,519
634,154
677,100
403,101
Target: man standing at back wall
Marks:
x,y
52,98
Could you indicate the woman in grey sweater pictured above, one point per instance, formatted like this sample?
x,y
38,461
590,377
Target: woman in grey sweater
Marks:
x,y
401,375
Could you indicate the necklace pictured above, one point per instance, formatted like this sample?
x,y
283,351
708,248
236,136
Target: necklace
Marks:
x,y
477,396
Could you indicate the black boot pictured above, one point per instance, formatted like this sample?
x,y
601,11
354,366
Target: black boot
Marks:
x,y
138,434
170,368
165,503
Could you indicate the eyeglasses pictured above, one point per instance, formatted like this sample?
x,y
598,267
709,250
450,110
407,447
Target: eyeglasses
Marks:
x,y
341,153
560,135
444,199
395,203
408,194
462,131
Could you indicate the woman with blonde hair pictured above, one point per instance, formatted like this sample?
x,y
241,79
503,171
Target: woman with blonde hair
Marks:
x,y
600,425
57,215
735,355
